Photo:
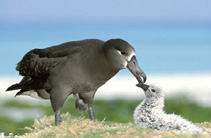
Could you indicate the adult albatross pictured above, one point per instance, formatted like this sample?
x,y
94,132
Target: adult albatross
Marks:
x,y
76,67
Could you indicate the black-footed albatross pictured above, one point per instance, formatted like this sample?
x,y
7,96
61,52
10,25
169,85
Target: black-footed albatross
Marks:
x,y
76,67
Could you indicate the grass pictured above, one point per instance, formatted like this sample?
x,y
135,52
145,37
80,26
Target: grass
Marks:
x,y
78,127
117,110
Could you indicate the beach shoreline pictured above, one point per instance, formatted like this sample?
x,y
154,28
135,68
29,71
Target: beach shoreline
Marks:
x,y
194,85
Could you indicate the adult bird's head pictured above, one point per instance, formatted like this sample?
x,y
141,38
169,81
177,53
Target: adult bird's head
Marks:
x,y
122,55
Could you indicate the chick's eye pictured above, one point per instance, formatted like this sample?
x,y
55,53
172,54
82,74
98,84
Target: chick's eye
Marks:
x,y
123,53
153,90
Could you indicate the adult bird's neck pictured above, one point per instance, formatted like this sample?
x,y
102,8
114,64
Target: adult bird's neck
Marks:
x,y
101,70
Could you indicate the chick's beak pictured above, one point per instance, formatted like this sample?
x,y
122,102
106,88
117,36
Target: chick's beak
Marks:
x,y
143,86
134,68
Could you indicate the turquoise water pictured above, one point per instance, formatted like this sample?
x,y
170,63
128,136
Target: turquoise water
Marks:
x,y
160,47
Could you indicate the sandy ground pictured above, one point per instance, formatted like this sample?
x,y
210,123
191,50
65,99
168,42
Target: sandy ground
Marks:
x,y
197,86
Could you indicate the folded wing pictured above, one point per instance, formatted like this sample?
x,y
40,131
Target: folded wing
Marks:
x,y
36,65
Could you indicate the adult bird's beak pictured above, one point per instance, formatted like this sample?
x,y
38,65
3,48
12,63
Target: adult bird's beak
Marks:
x,y
134,68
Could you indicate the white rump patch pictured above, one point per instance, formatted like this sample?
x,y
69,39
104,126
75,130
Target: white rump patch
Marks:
x,y
32,93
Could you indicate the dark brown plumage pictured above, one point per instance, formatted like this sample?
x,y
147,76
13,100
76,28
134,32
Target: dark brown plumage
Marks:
x,y
77,67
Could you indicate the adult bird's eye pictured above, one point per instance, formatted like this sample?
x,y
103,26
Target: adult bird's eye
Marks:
x,y
123,53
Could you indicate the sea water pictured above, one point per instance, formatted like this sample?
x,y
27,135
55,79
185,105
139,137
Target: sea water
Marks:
x,y
160,47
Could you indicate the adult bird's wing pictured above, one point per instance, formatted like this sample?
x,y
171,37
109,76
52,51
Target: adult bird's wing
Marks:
x,y
39,62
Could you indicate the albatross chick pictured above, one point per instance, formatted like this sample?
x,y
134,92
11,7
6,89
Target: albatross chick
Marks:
x,y
150,114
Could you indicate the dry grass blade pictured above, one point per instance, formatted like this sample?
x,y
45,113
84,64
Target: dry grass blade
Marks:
x,y
80,128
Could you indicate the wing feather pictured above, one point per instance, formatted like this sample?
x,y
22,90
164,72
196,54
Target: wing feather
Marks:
x,y
39,62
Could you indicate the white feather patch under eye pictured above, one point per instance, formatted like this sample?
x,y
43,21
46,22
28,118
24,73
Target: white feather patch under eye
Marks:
x,y
130,56
125,65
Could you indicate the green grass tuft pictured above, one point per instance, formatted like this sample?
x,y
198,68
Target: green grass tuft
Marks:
x,y
117,110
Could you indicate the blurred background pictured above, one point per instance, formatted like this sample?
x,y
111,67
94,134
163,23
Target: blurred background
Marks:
x,y
172,41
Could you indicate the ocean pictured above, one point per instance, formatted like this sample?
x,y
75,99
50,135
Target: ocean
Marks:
x,y
160,47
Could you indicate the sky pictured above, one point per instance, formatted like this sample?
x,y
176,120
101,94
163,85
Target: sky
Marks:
x,y
181,28
104,10
169,35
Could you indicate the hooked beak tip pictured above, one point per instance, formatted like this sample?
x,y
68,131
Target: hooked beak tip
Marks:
x,y
142,78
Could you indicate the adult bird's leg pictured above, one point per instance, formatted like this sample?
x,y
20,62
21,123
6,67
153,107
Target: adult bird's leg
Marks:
x,y
57,101
58,118
88,99
91,112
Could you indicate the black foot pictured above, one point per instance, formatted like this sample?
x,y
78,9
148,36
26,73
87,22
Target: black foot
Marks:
x,y
58,118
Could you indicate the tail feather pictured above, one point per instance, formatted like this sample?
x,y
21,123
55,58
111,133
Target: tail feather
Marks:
x,y
16,86
19,85
20,92
28,84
